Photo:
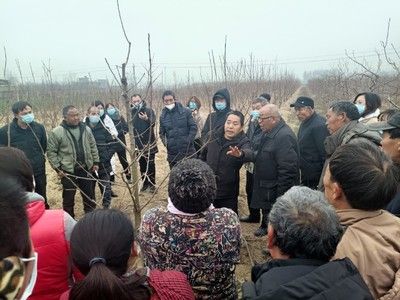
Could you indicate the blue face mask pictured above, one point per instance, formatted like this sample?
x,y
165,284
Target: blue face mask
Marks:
x,y
361,108
28,118
220,105
192,105
255,114
111,111
101,112
94,119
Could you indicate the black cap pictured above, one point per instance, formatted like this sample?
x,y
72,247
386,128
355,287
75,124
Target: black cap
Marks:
x,y
392,123
302,102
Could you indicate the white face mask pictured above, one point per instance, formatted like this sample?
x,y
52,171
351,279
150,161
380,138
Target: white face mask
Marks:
x,y
29,288
170,106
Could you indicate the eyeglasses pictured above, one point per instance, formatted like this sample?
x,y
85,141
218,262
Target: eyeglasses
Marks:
x,y
265,118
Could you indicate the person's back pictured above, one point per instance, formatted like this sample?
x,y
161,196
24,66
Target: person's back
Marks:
x,y
50,230
204,246
359,182
102,243
303,233
191,236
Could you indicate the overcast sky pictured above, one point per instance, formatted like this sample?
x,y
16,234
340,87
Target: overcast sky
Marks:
x,y
76,35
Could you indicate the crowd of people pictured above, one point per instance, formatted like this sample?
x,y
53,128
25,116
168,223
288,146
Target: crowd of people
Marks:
x,y
326,199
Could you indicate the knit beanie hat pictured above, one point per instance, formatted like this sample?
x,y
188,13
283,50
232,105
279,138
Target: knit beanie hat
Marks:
x,y
192,186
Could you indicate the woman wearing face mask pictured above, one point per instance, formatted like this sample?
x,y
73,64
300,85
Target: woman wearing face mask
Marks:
x,y
227,150
103,137
18,262
102,245
122,128
50,229
221,103
194,105
368,105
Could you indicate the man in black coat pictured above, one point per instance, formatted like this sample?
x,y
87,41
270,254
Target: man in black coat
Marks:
x,y
226,167
303,234
276,162
311,137
177,129
144,121
254,133
221,103
30,137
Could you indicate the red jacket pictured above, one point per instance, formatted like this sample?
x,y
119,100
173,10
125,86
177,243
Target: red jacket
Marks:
x,y
48,237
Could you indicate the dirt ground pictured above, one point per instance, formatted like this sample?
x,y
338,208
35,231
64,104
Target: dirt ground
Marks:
x,y
251,251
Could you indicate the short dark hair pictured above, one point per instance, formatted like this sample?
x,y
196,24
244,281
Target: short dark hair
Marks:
x,y
107,235
366,175
110,104
192,186
168,93
387,114
97,103
19,106
66,109
266,96
236,113
260,99
136,95
372,102
14,231
15,164
345,107
393,133
305,224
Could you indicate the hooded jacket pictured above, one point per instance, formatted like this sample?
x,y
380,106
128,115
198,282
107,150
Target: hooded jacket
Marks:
x,y
50,233
350,132
217,118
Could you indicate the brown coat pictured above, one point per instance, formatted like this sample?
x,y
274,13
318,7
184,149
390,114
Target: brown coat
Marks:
x,y
372,242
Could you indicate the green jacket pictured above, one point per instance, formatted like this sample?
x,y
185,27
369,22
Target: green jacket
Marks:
x,y
61,150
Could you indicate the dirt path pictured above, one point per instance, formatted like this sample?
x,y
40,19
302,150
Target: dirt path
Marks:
x,y
250,253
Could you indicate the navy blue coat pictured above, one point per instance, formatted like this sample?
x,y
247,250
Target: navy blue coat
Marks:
x,y
177,132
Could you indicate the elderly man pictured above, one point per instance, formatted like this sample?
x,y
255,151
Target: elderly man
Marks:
x,y
73,154
276,162
359,181
303,233
254,133
342,122
311,135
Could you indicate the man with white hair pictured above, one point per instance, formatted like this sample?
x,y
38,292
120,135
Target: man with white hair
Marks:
x,y
276,162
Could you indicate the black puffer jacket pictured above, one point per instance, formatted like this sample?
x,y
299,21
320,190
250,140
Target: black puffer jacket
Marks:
x,y
276,166
103,142
32,141
143,130
177,132
217,118
312,134
226,167
306,279
254,133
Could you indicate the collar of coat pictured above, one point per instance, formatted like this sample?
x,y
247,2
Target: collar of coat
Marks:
x,y
351,216
274,131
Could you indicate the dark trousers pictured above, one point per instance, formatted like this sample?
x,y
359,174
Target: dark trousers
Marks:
x,y
227,202
124,161
40,186
254,213
148,169
104,185
85,185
